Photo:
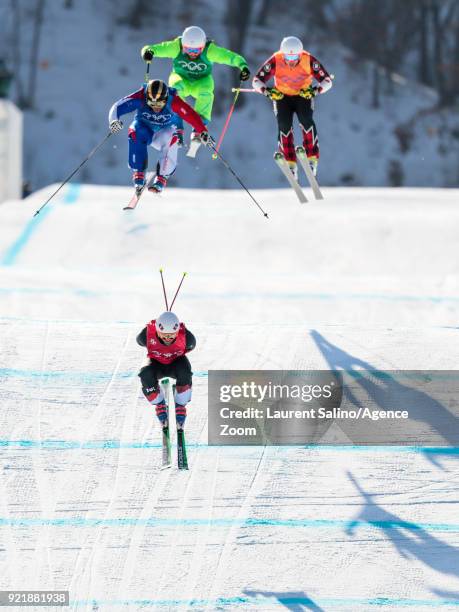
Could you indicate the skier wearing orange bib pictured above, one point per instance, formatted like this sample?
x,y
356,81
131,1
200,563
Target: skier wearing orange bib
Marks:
x,y
294,72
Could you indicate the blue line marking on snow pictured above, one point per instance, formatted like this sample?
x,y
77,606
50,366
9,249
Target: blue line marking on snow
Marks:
x,y
74,376
117,444
266,603
227,522
431,299
12,253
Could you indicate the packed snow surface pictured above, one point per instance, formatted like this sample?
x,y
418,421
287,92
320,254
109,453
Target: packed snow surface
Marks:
x,y
368,278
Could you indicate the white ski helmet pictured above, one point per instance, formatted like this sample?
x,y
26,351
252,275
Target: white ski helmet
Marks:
x,y
194,37
167,323
291,45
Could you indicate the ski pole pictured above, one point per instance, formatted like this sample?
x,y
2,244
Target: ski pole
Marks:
x,y
225,163
178,289
75,171
225,127
245,90
164,288
147,73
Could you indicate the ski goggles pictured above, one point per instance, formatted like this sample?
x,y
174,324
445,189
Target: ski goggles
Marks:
x,y
193,50
291,57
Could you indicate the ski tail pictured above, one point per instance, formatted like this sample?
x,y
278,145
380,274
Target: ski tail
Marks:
x,y
182,460
303,159
166,440
193,147
281,162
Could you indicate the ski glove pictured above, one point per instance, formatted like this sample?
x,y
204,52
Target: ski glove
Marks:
x,y
207,139
309,92
273,93
147,54
244,74
179,135
116,126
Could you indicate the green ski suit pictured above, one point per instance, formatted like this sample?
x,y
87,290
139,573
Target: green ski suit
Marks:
x,y
193,76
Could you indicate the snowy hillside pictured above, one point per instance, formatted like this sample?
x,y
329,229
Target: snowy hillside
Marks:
x,y
89,57
367,278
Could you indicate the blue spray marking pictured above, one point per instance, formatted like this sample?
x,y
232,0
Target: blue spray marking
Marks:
x,y
73,376
262,602
72,194
227,522
12,253
88,445
117,444
245,296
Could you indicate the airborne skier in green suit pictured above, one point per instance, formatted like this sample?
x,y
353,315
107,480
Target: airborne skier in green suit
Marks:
x,y
193,55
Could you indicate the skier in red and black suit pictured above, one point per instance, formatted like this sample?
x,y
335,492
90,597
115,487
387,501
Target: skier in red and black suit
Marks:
x,y
293,71
167,340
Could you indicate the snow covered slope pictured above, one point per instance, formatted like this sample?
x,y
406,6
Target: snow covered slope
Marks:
x,y
366,278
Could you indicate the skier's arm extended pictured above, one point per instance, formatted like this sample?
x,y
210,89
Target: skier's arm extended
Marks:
x,y
169,48
126,105
185,111
220,55
321,76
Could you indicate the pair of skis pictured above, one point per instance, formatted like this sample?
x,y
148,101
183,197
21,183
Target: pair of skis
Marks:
x,y
182,461
294,184
138,192
192,150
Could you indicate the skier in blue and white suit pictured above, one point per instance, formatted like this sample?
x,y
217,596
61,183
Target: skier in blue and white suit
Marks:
x,y
158,122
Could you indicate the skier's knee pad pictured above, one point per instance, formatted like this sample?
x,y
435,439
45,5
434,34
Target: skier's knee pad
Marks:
x,y
182,394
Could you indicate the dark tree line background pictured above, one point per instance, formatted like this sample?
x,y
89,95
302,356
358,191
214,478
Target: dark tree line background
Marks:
x,y
418,39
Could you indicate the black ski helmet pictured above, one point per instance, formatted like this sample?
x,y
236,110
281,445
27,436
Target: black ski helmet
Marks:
x,y
157,92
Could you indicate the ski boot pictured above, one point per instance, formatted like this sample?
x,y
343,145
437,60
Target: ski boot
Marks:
x,y
158,184
138,179
293,169
313,163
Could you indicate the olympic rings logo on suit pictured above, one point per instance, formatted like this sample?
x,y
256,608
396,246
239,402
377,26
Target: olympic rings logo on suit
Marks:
x,y
158,118
193,66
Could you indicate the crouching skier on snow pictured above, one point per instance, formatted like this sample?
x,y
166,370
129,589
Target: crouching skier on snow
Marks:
x,y
293,71
158,122
167,340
